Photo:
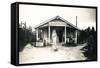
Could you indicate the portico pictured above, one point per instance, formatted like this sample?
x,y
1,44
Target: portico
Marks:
x,y
63,28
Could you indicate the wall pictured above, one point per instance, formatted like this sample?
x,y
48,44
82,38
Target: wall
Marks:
x,y
5,34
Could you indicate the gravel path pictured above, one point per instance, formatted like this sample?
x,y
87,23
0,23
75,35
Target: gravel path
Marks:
x,y
32,54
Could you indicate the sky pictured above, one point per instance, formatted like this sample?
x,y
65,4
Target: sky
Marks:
x,y
36,14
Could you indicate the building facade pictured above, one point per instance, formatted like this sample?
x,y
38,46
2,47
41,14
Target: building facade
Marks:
x,y
65,31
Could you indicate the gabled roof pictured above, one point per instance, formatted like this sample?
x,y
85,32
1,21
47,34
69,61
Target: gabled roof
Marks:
x,y
57,17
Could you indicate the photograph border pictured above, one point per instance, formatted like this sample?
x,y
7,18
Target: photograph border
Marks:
x,y
15,50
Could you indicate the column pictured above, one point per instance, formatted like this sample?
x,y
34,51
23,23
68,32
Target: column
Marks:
x,y
65,34
76,32
37,34
49,33
76,36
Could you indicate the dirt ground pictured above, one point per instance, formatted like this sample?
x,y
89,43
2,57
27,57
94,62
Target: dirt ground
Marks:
x,y
32,54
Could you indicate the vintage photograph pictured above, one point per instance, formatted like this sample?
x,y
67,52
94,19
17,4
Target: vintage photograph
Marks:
x,y
56,34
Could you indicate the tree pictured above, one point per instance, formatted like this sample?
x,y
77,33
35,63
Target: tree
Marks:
x,y
25,36
91,48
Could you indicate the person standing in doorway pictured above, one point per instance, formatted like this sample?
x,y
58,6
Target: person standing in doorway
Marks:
x,y
54,39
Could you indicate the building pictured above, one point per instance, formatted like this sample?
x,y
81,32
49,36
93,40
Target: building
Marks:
x,y
65,31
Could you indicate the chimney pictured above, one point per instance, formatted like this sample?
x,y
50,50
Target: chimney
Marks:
x,y
76,21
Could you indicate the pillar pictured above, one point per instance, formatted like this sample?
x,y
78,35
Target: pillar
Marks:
x,y
65,34
76,32
37,34
49,33
76,36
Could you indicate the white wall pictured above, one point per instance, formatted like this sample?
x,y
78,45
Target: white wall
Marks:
x,y
5,33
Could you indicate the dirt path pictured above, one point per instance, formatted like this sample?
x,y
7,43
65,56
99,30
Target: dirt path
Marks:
x,y
47,54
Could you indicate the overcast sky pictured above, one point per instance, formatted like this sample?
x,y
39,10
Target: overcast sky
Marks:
x,y
35,14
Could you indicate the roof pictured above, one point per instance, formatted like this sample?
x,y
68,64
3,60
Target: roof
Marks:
x,y
57,17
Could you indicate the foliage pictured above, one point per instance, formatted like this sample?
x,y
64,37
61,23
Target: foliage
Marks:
x,y
25,36
84,34
90,37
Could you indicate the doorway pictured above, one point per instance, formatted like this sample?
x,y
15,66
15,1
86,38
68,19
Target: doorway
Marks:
x,y
60,34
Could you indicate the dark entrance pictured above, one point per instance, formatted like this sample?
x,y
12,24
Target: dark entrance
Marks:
x,y
60,33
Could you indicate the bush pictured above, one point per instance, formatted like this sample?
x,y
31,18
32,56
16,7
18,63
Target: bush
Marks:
x,y
25,36
91,47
